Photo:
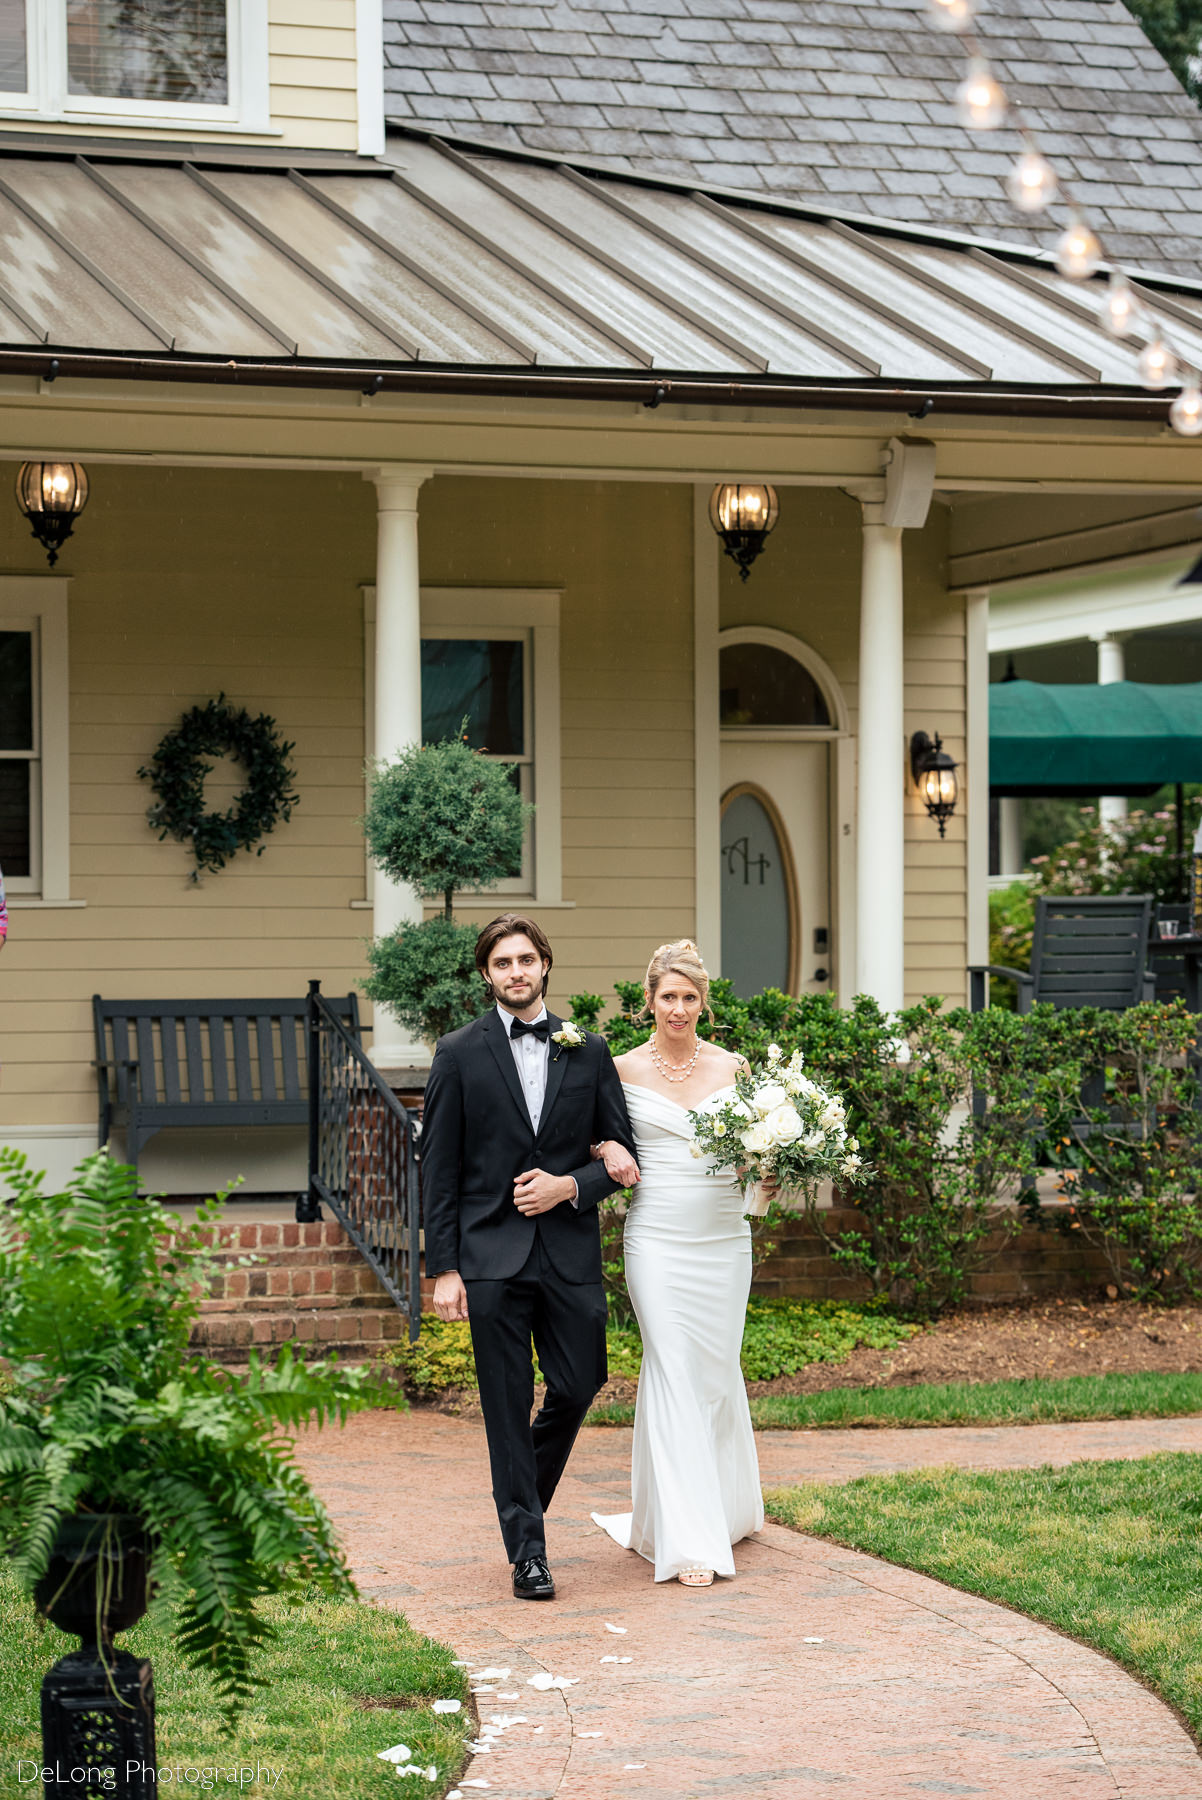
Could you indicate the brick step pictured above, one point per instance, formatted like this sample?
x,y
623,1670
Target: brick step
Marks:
x,y
227,1337
273,1303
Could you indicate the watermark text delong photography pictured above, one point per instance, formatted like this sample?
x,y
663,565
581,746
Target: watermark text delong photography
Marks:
x,y
104,1776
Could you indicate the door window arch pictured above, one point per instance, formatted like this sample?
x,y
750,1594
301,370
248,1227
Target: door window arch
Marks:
x,y
760,922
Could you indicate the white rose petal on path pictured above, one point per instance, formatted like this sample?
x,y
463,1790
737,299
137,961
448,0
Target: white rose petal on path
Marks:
x,y
398,1754
542,1681
813,1640
590,1734
501,1696
505,1720
618,1630
625,1766
537,1729
491,1675
476,1783
447,1706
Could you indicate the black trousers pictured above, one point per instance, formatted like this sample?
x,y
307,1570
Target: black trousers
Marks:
x,y
567,1323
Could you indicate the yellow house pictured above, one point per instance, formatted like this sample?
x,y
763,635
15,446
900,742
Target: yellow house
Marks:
x,y
340,394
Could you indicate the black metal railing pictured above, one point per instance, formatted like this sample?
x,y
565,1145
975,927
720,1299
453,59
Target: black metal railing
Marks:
x,y
363,1156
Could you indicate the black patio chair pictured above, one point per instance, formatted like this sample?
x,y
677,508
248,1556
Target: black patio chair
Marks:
x,y
1091,951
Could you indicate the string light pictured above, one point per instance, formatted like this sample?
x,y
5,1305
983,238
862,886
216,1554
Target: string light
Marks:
x,y
980,102
1185,414
1031,184
949,15
1121,311
1078,251
1157,365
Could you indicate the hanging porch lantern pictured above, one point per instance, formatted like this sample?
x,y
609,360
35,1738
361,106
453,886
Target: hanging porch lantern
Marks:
x,y
52,495
743,513
934,773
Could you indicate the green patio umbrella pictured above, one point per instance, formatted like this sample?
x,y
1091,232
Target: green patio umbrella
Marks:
x,y
1128,737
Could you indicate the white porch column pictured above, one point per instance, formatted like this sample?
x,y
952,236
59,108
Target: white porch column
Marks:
x,y
1010,837
1112,808
880,795
398,704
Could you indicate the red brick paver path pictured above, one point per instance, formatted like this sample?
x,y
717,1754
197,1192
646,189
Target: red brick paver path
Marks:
x,y
913,1690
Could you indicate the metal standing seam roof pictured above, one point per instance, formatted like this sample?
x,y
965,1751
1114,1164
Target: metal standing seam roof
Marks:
x,y
437,259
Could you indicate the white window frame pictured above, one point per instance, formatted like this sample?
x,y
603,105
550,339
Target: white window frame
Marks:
x,y
39,604
532,615
248,108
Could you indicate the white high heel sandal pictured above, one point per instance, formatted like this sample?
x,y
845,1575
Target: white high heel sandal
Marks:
x,y
696,1577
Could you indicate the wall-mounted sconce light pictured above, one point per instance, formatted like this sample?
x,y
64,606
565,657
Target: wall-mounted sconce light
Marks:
x,y
52,495
743,513
934,773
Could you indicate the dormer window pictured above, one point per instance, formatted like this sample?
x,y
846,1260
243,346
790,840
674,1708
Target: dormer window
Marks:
x,y
135,62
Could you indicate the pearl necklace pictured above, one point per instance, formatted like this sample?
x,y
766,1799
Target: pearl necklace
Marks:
x,y
665,1067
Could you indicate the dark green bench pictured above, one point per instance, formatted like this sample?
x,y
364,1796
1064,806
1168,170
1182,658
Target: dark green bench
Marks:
x,y
230,1063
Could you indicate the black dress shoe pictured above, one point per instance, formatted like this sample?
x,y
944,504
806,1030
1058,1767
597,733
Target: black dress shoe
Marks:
x,y
532,1580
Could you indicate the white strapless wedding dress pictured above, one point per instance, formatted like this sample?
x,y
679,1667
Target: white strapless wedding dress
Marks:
x,y
695,1482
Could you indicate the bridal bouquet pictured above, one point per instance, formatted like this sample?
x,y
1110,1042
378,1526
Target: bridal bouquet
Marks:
x,y
781,1125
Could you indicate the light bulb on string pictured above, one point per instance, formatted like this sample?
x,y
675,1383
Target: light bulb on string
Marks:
x,y
1185,414
1078,251
950,15
980,102
1121,311
1157,365
1031,183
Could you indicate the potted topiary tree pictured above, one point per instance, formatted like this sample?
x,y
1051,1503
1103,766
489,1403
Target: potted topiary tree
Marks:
x,y
441,817
130,1471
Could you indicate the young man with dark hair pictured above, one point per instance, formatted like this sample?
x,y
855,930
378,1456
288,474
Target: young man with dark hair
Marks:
x,y
515,1104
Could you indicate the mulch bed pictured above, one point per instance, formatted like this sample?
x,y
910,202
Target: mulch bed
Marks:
x,y
996,1343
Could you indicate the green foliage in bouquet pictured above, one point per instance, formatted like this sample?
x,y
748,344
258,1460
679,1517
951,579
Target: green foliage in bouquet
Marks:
x,y
781,1126
106,1412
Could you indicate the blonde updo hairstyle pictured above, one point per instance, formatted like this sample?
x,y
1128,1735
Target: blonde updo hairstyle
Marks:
x,y
680,958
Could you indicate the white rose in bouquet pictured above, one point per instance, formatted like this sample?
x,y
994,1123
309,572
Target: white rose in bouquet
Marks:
x,y
784,1125
768,1097
757,1139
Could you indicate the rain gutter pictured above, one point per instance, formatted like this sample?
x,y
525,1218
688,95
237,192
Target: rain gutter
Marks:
x,y
650,390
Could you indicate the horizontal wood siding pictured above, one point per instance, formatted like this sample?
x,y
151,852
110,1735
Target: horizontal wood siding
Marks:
x,y
186,584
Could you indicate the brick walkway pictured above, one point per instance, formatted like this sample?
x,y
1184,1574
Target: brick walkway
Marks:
x,y
913,1690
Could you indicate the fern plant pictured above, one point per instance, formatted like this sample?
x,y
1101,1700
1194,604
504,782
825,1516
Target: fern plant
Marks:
x,y
104,1411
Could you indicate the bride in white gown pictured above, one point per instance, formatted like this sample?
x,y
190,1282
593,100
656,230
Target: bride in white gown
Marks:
x,y
694,1477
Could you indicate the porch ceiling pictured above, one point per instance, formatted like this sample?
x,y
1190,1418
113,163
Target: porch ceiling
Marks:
x,y
438,260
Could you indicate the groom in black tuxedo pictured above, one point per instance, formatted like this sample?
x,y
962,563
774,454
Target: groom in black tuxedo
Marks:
x,y
509,1199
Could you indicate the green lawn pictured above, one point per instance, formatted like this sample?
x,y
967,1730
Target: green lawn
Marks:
x,y
309,1720
1032,1402
1109,1552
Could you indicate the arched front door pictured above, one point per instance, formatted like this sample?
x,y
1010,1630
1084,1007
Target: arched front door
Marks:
x,y
777,738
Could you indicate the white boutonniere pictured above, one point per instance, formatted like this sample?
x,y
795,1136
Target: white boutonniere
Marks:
x,y
568,1037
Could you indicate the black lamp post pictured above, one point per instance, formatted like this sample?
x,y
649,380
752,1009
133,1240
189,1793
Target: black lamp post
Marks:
x,y
934,773
52,495
743,513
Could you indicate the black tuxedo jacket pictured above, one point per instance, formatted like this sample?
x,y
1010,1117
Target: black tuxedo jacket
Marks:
x,y
477,1137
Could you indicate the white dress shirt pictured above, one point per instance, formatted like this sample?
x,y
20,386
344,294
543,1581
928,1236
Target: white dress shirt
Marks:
x,y
532,1057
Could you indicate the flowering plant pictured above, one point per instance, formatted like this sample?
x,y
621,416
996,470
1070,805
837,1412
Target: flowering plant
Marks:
x,y
779,1125
568,1037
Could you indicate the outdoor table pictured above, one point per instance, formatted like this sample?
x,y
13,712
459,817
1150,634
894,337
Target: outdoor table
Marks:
x,y
1189,948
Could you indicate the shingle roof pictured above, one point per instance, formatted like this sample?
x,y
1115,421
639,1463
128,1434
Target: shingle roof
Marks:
x,y
843,103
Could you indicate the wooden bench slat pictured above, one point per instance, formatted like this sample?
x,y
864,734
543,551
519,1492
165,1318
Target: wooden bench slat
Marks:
x,y
264,1036
290,1029
219,1062
244,1088
147,1086
169,1044
195,1058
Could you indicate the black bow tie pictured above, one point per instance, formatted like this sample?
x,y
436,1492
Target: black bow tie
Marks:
x,y
541,1029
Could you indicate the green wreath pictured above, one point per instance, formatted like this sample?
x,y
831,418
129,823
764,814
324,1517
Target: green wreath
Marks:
x,y
179,770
